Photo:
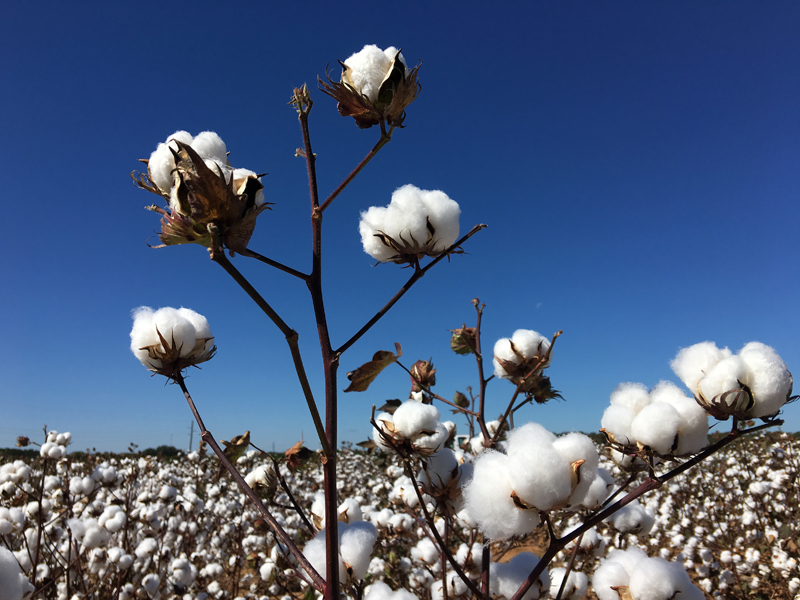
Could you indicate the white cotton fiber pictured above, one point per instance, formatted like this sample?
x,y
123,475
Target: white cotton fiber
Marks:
x,y
13,583
209,145
607,576
693,430
356,541
633,518
380,591
419,222
369,67
728,374
439,470
576,587
526,342
574,447
505,578
379,435
617,420
692,363
488,499
162,161
633,395
656,425
768,378
411,418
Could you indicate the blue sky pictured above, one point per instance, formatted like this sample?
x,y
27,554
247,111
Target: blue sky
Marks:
x,y
638,165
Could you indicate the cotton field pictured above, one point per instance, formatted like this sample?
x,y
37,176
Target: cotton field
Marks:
x,y
141,527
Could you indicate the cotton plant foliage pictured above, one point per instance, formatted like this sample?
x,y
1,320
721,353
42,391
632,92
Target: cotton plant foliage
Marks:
x,y
415,224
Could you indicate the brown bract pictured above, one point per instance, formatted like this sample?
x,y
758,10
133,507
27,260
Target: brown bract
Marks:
x,y
169,354
203,196
396,92
736,403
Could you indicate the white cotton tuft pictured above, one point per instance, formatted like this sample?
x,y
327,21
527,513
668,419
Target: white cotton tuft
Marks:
x,y
656,425
505,578
369,67
768,378
692,363
617,420
575,447
576,587
728,374
208,144
412,418
527,344
419,222
181,328
356,541
162,161
13,583
693,430
488,499
633,518
380,591
633,395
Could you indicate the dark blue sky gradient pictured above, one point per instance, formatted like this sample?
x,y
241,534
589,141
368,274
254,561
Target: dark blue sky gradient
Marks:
x,y
638,165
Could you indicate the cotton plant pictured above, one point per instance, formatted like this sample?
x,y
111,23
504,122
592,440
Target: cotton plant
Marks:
x,y
522,359
415,224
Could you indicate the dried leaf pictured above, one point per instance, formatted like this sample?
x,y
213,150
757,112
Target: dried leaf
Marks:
x,y
363,376
296,455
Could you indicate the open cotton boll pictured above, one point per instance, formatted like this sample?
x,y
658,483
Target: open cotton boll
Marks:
x,y
609,575
162,161
633,395
356,541
576,587
505,578
768,378
380,591
693,430
406,216
439,469
208,144
530,343
574,447
488,499
656,425
659,579
13,583
411,418
368,68
633,518
443,214
349,511
728,374
598,491
617,421
693,363
383,420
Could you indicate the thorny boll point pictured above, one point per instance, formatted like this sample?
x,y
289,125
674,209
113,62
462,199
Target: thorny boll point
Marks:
x,y
202,189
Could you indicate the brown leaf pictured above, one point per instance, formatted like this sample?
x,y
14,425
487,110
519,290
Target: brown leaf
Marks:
x,y
296,455
363,376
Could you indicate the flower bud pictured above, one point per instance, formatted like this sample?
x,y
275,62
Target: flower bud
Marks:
x,y
461,400
376,87
464,340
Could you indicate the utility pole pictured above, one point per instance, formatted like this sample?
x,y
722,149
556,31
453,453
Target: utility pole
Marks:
x,y
191,435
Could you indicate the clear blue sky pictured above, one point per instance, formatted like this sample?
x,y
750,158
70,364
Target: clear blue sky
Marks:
x,y
638,165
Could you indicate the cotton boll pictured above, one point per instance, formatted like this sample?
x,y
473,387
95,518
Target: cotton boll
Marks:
x,y
576,587
693,430
13,582
658,579
200,324
768,378
488,499
693,363
372,223
383,419
598,491
728,374
656,425
150,583
609,575
350,511
633,518
176,329
407,216
380,591
356,541
411,418
505,578
209,145
530,343
368,67
574,447
162,161
439,470
443,214
617,420
633,395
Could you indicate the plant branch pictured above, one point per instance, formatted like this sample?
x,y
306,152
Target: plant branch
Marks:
x,y
418,274
274,263
205,434
386,137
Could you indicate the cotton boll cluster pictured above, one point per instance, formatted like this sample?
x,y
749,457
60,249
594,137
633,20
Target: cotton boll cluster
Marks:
x,y
753,383
414,428
539,473
13,583
56,445
169,340
663,419
415,224
646,578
